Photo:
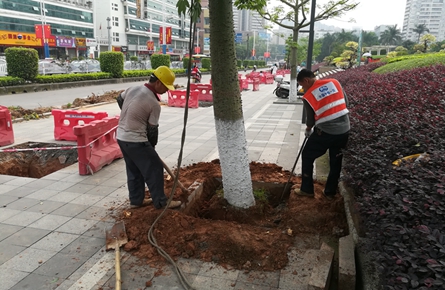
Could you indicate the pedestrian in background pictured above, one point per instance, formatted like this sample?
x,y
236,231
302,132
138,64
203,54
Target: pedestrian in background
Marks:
x,y
327,128
137,136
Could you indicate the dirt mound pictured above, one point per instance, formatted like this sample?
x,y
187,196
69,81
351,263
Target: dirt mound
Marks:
x,y
254,238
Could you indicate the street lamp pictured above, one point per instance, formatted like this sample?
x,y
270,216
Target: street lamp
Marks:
x,y
109,33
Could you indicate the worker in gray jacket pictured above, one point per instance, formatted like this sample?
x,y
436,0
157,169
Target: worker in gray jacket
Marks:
x,y
137,136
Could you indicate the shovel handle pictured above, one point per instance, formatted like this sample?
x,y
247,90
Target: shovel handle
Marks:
x,y
173,175
118,268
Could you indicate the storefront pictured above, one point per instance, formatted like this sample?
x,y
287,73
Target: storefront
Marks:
x,y
81,47
18,39
66,47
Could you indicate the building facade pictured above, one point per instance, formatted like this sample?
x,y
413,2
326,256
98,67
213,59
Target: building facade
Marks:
x,y
86,27
428,12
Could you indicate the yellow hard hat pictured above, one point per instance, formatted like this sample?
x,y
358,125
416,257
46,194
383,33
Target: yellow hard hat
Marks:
x,y
166,76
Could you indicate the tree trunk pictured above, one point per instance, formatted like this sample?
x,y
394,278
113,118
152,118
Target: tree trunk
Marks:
x,y
229,122
293,68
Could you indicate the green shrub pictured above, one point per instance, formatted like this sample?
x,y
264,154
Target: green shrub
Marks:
x,y
112,62
206,63
11,81
185,62
22,62
245,63
239,63
72,77
133,58
158,60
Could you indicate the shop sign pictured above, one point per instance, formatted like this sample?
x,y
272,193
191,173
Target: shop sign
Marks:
x,y
19,38
91,42
62,41
81,42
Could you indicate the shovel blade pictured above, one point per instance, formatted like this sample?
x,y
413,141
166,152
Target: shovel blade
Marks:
x,y
116,236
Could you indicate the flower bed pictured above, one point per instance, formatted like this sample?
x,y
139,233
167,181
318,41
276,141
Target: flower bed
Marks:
x,y
401,207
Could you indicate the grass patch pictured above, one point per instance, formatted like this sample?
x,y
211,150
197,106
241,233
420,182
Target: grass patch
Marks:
x,y
408,62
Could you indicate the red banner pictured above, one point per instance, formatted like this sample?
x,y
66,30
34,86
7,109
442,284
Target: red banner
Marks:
x,y
168,35
197,49
150,45
39,31
267,54
161,36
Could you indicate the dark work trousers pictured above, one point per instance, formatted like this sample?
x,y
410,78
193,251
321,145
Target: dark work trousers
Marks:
x,y
143,167
317,145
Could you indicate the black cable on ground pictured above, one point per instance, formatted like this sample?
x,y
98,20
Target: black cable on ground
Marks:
x,y
151,237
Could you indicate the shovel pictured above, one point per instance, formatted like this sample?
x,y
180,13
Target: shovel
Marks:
x,y
286,187
114,239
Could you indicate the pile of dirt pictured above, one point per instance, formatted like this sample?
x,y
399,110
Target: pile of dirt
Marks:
x,y
248,239
95,99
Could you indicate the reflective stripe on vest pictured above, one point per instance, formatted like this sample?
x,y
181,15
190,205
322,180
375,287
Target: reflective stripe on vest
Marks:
x,y
326,100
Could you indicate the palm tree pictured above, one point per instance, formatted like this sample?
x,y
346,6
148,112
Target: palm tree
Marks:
x,y
391,36
369,38
420,29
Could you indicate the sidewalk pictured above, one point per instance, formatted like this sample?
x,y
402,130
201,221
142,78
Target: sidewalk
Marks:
x,y
52,229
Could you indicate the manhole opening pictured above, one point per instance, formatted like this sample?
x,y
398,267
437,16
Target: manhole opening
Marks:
x,y
42,159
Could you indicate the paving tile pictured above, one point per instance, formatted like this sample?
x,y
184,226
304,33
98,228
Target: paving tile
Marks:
x,y
86,199
55,241
26,237
61,265
109,202
121,192
215,271
6,188
6,199
7,230
101,190
70,210
96,213
264,279
60,185
23,203
247,286
29,260
98,230
84,246
64,196
24,218
10,277
39,183
189,266
80,188
76,226
6,178
19,181
204,282
38,282
58,175
46,206
43,194
21,191
49,222
8,251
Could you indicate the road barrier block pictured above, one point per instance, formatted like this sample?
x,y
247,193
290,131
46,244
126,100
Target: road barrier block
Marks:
x,y
205,92
177,98
97,144
6,130
269,79
66,120
256,84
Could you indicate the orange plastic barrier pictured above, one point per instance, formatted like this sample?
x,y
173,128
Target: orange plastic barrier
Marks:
x,y
6,131
256,84
205,92
65,120
178,98
92,157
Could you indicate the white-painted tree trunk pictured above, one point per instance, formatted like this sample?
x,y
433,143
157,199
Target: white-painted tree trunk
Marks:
x,y
233,155
293,96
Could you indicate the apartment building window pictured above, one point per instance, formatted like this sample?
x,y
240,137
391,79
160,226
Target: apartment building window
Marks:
x,y
116,21
116,36
114,7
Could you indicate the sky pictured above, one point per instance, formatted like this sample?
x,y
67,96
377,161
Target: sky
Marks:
x,y
371,13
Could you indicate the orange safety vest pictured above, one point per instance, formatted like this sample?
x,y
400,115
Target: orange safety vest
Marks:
x,y
327,100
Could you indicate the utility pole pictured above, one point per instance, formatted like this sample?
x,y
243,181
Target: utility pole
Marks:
x,y
247,47
45,42
359,49
109,33
253,48
310,48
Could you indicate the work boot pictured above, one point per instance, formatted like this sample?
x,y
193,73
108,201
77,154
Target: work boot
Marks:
x,y
302,193
329,197
146,202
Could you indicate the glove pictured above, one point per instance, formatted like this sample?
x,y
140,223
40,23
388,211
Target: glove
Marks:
x,y
308,132
152,135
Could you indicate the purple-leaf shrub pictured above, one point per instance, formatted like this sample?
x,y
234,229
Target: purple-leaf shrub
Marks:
x,y
402,207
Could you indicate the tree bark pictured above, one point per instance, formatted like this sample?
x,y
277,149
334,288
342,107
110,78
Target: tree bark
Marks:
x,y
229,120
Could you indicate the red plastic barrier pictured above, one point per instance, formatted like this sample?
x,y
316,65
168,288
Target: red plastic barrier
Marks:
x,y
65,120
256,84
6,131
178,98
205,92
269,79
262,79
245,84
103,150
240,83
